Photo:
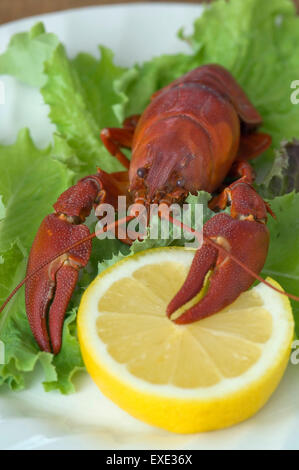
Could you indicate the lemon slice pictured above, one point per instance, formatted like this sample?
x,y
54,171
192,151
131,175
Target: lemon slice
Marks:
x,y
184,378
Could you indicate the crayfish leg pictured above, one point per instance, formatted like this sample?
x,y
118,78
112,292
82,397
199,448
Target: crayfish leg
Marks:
x,y
116,137
252,145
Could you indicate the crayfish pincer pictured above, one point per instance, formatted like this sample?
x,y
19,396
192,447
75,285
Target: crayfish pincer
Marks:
x,y
197,132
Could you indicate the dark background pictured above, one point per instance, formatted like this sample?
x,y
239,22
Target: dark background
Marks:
x,y
14,9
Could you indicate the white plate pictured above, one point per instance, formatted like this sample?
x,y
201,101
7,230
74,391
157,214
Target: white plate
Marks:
x,y
34,419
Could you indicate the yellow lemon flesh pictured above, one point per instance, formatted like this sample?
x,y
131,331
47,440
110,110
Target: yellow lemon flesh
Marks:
x,y
184,378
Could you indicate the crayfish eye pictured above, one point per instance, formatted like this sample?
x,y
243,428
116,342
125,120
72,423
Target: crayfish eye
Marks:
x,y
141,172
180,182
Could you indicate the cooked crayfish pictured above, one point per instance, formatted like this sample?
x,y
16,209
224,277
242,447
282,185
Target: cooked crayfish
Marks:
x,y
195,133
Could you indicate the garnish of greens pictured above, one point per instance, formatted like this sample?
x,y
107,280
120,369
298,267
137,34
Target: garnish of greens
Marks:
x,y
256,41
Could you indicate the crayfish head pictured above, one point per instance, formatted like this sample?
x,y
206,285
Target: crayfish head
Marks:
x,y
158,173
146,192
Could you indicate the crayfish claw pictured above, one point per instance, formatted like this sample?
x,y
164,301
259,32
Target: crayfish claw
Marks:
x,y
204,260
50,290
245,239
66,280
37,307
220,293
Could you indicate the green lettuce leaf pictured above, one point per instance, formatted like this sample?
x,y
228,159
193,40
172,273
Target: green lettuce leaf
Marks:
x,y
283,259
96,78
2,209
26,54
69,361
80,92
31,180
136,86
81,98
283,177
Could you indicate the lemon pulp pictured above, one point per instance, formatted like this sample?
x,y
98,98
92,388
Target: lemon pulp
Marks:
x,y
147,364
